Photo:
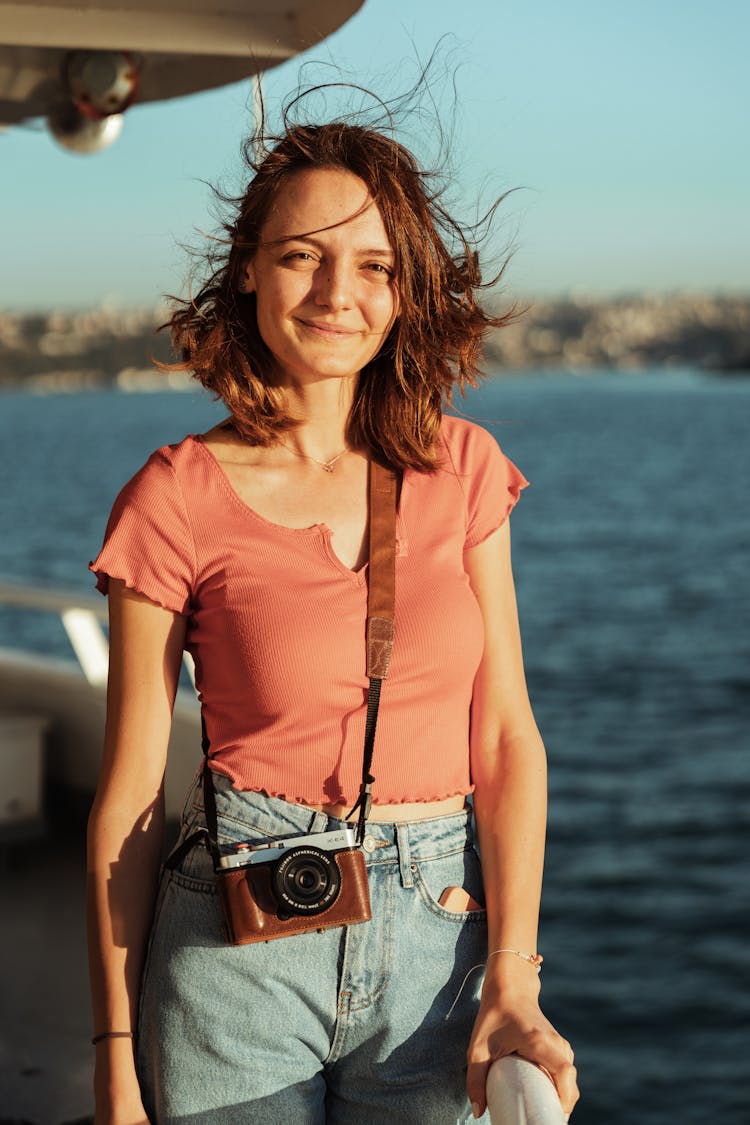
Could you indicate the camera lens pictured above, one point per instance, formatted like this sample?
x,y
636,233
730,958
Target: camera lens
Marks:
x,y
306,880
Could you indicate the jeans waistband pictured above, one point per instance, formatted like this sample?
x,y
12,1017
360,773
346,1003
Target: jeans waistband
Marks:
x,y
245,813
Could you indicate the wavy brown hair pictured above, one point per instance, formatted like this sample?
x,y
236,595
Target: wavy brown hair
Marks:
x,y
434,344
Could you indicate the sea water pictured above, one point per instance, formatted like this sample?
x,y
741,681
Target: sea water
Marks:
x,y
631,559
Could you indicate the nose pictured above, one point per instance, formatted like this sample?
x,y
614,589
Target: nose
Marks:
x,y
334,285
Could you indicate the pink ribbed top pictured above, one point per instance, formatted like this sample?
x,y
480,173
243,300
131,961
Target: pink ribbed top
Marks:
x,y
276,622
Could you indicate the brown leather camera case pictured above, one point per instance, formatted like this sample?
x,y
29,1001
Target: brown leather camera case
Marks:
x,y
250,907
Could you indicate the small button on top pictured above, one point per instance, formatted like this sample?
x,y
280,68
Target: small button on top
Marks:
x,y
369,843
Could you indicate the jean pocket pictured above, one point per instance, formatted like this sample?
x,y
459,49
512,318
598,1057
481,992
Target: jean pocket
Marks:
x,y
196,867
459,869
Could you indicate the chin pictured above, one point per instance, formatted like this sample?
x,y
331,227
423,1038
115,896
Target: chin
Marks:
x,y
331,367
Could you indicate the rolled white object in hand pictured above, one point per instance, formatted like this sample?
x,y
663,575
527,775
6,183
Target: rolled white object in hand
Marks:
x,y
519,1093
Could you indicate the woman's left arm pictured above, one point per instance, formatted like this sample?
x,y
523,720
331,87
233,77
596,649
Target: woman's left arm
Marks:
x,y
508,766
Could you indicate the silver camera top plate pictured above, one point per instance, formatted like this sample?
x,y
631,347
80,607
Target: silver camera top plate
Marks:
x,y
264,853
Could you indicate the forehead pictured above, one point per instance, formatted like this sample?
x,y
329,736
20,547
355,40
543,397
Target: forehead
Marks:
x,y
328,201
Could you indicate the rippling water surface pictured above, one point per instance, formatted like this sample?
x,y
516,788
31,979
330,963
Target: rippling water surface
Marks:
x,y
631,556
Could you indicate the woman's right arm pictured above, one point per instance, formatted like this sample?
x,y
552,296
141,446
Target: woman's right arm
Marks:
x,y
125,833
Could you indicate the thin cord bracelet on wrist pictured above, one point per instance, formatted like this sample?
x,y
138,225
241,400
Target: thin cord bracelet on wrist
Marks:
x,y
534,959
112,1035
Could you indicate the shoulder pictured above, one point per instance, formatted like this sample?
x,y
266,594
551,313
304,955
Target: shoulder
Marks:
x,y
175,456
468,446
162,485
490,482
149,542
166,466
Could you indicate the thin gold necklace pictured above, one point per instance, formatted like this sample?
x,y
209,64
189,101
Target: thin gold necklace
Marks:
x,y
327,466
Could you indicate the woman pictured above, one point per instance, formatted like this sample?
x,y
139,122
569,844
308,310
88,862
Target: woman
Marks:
x,y
333,332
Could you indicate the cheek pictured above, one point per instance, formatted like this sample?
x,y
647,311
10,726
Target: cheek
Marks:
x,y
272,302
385,308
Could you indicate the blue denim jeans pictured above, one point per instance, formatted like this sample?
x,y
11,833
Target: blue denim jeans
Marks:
x,y
344,1027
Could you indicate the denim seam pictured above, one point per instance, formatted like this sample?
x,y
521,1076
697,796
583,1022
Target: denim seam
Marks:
x,y
419,858
341,1034
382,983
246,825
343,1004
232,841
200,886
373,862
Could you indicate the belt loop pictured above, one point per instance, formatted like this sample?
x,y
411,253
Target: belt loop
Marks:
x,y
404,855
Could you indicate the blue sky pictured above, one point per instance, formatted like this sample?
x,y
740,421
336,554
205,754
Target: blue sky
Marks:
x,y
624,125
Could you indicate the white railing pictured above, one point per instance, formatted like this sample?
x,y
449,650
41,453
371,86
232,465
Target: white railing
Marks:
x,y
82,616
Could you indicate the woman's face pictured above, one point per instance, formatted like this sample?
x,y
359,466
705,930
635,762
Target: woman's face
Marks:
x,y
323,277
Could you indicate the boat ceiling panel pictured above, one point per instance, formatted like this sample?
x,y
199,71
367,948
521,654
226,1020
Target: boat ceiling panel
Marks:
x,y
233,27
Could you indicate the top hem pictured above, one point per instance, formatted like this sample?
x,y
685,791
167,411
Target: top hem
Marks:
x,y
138,587
349,800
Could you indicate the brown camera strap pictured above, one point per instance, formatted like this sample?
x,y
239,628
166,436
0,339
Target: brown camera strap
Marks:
x,y
381,597
381,594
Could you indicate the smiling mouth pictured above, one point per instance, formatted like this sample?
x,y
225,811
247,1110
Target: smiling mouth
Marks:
x,y
332,331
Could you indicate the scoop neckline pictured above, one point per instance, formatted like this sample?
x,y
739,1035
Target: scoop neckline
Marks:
x,y
319,530
201,442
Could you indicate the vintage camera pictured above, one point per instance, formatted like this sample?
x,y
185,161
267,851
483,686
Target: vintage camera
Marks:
x,y
305,877
293,885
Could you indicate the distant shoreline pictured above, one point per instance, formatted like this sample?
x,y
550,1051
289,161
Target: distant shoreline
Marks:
x,y
108,348
632,333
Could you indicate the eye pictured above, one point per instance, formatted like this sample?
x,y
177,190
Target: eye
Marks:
x,y
378,267
299,256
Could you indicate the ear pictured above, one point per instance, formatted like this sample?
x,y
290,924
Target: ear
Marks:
x,y
247,278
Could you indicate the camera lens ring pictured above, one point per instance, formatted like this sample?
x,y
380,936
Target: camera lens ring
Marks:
x,y
306,880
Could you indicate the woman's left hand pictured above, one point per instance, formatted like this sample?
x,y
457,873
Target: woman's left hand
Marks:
x,y
511,1022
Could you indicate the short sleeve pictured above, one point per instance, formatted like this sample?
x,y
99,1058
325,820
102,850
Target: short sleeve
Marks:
x,y
493,485
148,543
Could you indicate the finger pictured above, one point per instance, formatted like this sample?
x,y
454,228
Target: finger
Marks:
x,y
476,1085
566,1084
555,1058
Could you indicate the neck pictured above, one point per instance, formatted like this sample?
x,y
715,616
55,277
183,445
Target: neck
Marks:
x,y
323,410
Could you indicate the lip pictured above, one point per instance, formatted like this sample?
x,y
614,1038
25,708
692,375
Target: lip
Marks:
x,y
332,331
